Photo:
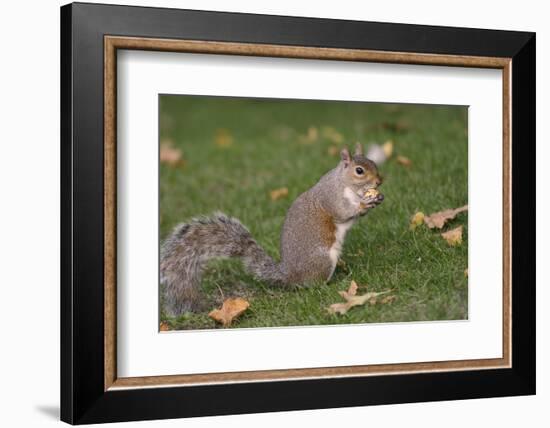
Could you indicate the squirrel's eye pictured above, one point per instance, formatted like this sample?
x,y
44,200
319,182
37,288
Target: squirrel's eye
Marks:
x,y
359,170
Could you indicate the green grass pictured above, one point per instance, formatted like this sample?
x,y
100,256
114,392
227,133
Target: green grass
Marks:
x,y
380,251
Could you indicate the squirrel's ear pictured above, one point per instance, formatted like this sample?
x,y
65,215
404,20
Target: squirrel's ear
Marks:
x,y
345,156
358,148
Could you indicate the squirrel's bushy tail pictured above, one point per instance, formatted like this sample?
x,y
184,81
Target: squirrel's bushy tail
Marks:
x,y
191,245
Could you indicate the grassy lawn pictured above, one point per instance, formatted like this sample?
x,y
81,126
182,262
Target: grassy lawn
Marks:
x,y
237,150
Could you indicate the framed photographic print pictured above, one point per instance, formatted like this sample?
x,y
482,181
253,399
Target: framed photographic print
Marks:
x,y
266,213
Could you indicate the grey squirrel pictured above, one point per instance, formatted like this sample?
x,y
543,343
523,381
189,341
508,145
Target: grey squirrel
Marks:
x,y
311,240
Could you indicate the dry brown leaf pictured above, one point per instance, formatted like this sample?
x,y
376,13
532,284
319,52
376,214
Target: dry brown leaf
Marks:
x,y
466,272
278,193
230,310
399,126
351,291
332,134
311,136
342,264
350,295
388,299
416,220
333,151
223,138
453,236
388,148
440,218
402,160
164,326
170,155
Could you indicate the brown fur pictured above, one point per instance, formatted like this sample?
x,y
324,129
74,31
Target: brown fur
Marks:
x,y
328,228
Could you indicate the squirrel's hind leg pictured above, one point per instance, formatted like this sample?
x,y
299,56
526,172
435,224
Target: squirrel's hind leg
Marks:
x,y
180,292
317,267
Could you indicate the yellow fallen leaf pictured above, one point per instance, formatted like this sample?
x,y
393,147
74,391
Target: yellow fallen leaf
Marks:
x,y
416,220
439,219
350,295
453,236
311,136
332,134
230,310
333,151
223,138
170,155
278,193
402,160
388,148
164,326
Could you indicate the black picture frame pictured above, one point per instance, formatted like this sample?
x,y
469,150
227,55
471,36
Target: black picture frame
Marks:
x,y
83,397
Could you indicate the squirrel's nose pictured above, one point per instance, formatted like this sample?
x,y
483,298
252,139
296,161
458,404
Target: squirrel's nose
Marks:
x,y
380,197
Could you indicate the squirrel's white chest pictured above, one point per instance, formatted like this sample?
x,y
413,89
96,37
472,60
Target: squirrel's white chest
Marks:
x,y
336,248
352,197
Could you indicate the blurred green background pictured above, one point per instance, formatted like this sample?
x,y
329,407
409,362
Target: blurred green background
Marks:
x,y
228,154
